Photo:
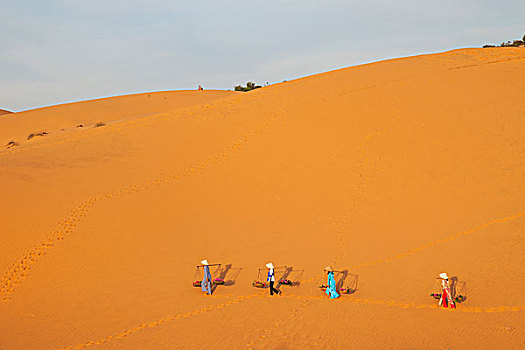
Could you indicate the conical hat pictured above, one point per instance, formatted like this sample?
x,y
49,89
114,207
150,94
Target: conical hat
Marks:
x,y
329,268
204,262
443,275
270,265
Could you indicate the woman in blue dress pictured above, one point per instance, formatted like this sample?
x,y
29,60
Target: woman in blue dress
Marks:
x,y
331,290
206,279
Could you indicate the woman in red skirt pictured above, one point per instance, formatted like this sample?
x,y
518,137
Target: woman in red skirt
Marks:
x,y
446,300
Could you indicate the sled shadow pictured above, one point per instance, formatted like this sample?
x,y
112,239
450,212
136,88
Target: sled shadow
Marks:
x,y
352,283
458,288
341,278
287,271
232,276
294,275
296,280
225,271
348,279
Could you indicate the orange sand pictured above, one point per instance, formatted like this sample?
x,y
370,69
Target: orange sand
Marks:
x,y
67,117
396,171
3,111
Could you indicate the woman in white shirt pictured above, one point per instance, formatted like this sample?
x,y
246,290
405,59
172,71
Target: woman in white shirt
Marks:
x,y
271,279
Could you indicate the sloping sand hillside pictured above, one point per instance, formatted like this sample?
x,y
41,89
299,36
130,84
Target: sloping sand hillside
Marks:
x,y
394,171
67,117
3,111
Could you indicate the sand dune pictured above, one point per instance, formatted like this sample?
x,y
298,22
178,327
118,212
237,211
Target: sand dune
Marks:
x,y
3,111
67,117
394,171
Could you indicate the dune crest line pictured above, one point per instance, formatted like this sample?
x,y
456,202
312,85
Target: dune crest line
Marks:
x,y
126,123
19,270
149,118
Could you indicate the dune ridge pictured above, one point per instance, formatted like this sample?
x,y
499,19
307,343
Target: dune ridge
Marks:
x,y
75,116
394,171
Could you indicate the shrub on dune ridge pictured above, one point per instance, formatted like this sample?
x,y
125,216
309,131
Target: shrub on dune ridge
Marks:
x,y
36,134
249,86
514,43
12,144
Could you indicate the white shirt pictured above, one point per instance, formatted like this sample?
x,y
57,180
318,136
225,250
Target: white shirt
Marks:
x,y
271,276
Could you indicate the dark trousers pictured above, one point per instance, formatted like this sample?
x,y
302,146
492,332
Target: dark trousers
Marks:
x,y
272,289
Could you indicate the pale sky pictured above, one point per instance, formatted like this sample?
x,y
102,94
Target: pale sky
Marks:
x,y
61,51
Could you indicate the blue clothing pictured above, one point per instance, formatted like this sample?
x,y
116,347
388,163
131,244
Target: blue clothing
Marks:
x,y
206,280
331,290
271,277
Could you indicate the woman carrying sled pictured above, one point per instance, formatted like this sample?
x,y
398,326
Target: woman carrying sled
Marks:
x,y
331,290
206,279
446,300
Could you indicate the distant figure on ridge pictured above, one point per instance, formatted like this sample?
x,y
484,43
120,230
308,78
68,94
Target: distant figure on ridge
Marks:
x,y
200,88
206,279
446,296
271,279
331,290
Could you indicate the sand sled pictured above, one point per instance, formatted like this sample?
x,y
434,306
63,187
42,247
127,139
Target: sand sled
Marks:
x,y
346,290
285,282
457,288
351,285
259,282
198,283
437,290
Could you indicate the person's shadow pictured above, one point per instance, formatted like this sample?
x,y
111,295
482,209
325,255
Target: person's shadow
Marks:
x,y
232,273
290,273
296,279
287,271
351,284
458,288
341,279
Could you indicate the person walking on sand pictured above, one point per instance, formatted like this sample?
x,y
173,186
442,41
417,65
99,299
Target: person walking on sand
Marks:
x,y
331,290
446,296
206,279
271,279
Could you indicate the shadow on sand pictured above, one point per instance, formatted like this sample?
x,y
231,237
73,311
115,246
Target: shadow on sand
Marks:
x,y
346,282
228,274
458,289
292,275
